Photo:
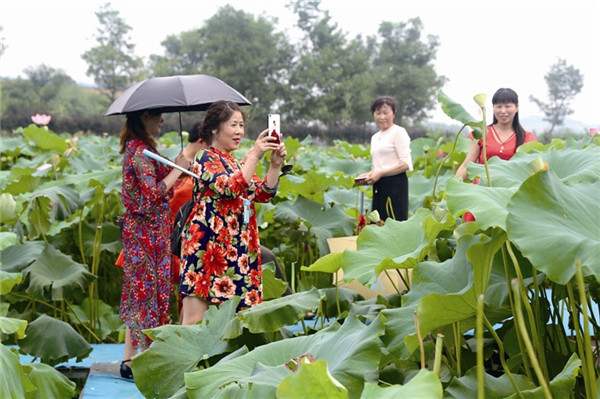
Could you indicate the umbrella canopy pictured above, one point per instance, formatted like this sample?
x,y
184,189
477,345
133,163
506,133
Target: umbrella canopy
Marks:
x,y
175,94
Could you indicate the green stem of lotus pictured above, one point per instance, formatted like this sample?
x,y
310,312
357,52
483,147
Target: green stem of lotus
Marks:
x,y
480,354
505,367
437,173
483,134
520,325
585,350
437,362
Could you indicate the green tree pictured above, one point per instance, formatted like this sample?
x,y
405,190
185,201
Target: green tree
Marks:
x,y
183,55
403,68
329,80
112,63
564,83
243,51
50,91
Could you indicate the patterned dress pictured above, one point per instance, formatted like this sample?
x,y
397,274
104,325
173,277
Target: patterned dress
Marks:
x,y
147,226
220,254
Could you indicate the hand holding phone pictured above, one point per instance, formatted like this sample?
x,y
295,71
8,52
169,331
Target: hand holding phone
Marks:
x,y
360,181
274,128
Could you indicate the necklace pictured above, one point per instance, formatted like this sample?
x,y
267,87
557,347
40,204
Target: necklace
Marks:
x,y
499,140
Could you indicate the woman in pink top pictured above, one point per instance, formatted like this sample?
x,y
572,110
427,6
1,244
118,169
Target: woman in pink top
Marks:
x,y
503,136
390,154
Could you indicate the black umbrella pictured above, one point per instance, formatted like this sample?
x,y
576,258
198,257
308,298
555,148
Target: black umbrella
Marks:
x,y
175,94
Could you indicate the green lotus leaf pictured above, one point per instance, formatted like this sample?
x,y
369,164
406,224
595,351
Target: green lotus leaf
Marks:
x,y
322,384
324,221
444,293
352,353
487,204
358,151
8,281
57,271
8,325
495,387
8,209
345,166
51,383
53,341
44,138
242,391
7,239
456,111
22,185
270,316
329,263
394,245
50,204
15,383
272,286
424,385
508,174
105,315
314,186
106,178
17,257
350,199
157,375
11,146
548,210
561,386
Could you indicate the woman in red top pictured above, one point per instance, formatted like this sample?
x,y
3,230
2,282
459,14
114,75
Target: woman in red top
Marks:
x,y
503,136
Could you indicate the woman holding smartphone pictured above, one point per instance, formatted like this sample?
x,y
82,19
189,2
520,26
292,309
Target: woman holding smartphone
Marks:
x,y
390,155
220,255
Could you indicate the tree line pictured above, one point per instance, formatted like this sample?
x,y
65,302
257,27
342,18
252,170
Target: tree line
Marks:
x,y
322,84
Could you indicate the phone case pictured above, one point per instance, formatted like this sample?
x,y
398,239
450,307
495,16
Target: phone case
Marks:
x,y
274,127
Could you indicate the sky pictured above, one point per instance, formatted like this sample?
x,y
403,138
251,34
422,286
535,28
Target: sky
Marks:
x,y
484,44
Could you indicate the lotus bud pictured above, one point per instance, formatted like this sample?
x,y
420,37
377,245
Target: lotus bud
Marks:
x,y
538,165
480,99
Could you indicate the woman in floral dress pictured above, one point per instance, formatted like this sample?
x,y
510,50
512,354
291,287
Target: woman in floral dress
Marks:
x,y
147,226
220,255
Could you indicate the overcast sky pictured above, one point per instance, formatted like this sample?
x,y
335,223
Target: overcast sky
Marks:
x,y
484,44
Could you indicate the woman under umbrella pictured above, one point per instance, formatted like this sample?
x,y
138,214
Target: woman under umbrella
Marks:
x,y
220,255
147,226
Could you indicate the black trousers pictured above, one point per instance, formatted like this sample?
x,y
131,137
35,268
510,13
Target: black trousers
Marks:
x,y
396,189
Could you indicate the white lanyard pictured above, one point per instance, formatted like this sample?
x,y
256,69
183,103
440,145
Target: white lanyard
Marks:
x,y
246,210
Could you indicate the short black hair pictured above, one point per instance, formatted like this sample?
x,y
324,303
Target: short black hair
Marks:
x,y
381,101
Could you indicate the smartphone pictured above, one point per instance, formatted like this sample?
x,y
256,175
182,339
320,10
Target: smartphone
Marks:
x,y
360,181
274,128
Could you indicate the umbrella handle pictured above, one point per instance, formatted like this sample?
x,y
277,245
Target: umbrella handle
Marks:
x,y
180,132
168,163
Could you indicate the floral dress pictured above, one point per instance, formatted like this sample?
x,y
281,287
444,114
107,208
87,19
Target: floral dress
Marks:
x,y
147,226
220,254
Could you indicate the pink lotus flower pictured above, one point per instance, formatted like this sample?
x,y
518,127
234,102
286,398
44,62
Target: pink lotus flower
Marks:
x,y
44,166
42,119
594,131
